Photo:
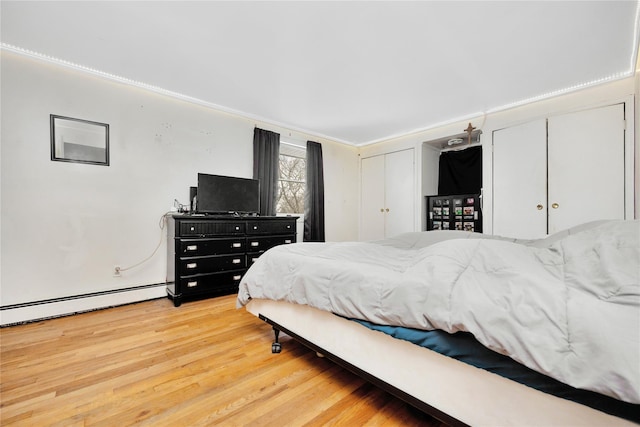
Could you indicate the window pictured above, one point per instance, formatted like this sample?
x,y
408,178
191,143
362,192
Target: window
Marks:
x,y
292,179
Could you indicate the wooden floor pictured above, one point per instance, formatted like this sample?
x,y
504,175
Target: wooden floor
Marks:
x,y
204,363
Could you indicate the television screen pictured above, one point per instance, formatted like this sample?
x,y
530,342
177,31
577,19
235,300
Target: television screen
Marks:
x,y
226,194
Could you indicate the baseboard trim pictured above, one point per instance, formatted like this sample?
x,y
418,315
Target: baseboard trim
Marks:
x,y
34,311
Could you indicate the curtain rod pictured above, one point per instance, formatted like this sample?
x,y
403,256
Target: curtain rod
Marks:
x,y
294,145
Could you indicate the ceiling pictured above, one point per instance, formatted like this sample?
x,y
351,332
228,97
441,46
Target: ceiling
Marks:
x,y
354,71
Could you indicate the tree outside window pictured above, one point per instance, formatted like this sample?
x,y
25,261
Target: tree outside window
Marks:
x,y
292,179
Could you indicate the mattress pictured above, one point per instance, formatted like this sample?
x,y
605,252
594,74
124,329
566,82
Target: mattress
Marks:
x,y
464,347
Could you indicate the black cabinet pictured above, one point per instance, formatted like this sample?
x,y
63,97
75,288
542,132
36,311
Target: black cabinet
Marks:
x,y
458,212
207,256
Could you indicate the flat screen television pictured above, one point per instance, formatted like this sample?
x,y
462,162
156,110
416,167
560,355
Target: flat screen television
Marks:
x,y
219,194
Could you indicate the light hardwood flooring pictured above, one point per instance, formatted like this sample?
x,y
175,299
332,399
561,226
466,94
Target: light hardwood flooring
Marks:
x,y
204,363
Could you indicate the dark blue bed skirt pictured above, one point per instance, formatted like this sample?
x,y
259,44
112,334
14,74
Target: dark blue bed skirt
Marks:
x,y
464,347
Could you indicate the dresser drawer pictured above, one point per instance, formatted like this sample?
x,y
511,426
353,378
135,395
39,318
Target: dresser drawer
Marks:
x,y
211,264
271,227
205,283
200,247
261,244
211,228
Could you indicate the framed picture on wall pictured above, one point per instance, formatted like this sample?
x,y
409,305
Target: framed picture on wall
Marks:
x,y
79,141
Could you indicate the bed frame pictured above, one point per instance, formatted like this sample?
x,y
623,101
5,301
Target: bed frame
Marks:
x,y
454,392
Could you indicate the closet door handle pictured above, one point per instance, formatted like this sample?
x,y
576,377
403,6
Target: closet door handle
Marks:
x,y
555,206
539,207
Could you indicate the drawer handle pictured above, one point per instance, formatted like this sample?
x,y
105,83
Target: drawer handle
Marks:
x,y
236,245
192,228
236,261
237,277
255,227
192,247
237,228
287,241
255,244
288,227
192,284
254,259
192,265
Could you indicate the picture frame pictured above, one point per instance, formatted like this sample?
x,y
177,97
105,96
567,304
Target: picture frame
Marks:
x,y
79,141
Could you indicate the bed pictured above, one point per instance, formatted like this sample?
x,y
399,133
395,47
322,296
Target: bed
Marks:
x,y
565,308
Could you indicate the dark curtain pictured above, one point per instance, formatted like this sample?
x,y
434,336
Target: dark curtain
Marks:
x,y
460,172
314,195
266,151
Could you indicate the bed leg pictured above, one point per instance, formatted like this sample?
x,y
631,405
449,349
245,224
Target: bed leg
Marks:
x,y
276,347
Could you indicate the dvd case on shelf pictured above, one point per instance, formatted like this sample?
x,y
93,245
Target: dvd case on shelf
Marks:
x,y
454,212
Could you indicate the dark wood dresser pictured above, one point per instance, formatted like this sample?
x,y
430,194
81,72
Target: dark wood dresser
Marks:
x,y
207,255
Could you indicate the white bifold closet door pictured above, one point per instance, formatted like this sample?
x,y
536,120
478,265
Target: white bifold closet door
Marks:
x,y
586,167
388,194
399,192
372,198
556,173
520,180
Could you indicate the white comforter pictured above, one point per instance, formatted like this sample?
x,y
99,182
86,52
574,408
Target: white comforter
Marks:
x,y
567,306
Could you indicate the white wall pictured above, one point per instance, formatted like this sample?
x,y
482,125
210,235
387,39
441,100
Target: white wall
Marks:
x,y
65,226
637,139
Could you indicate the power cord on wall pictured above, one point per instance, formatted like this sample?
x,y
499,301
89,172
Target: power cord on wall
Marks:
x,y
161,223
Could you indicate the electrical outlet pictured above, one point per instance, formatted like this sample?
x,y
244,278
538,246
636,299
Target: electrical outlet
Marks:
x,y
116,271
